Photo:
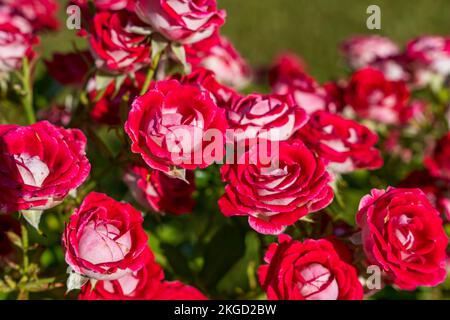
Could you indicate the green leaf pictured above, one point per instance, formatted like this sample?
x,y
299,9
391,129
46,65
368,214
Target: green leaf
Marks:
x,y
225,248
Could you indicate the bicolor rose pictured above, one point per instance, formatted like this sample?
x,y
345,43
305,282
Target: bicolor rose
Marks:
x,y
438,161
402,233
431,52
104,239
185,21
41,14
168,126
159,192
309,270
373,96
278,192
343,143
40,165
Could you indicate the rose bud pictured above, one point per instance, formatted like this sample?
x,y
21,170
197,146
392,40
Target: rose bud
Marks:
x,y
143,284
402,233
219,55
272,117
438,162
40,165
278,192
312,270
16,41
343,143
206,80
157,191
184,21
41,14
290,79
168,126
175,290
70,68
361,51
374,97
430,52
115,46
104,239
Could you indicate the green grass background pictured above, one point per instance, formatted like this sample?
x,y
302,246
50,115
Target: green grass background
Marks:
x,y
312,28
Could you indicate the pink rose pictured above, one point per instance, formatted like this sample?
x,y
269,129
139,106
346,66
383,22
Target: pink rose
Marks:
x,y
115,46
431,52
272,117
70,68
16,41
104,239
167,126
361,51
40,164
219,55
402,233
312,270
40,13
373,96
438,162
159,192
185,21
274,196
343,143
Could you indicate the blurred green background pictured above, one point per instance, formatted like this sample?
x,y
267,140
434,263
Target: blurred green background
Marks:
x,y
312,28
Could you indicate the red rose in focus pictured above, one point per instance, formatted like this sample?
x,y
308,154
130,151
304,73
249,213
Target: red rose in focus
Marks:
x,y
219,55
40,164
438,162
374,97
115,46
143,284
274,196
159,192
16,41
344,143
272,117
70,68
361,51
206,80
185,21
289,78
41,14
175,290
312,270
402,233
167,126
104,239
437,190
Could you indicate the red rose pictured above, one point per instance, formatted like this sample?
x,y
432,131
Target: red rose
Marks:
x,y
40,164
374,97
175,290
272,117
438,162
344,143
16,41
403,234
290,79
115,46
312,270
113,103
143,284
105,5
70,68
185,21
437,190
206,80
361,51
167,125
104,239
287,66
40,13
219,55
159,192
276,196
